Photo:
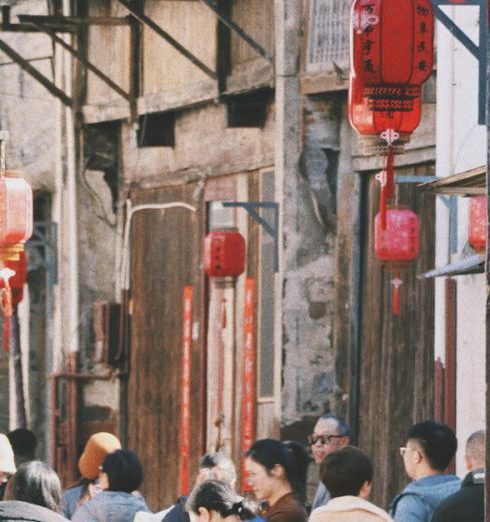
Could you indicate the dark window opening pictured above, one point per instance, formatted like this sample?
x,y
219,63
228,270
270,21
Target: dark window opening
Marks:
x,y
101,150
157,130
248,110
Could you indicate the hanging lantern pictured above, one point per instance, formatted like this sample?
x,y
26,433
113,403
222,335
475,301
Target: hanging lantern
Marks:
x,y
16,223
373,124
396,245
18,279
392,49
477,223
15,214
385,131
224,253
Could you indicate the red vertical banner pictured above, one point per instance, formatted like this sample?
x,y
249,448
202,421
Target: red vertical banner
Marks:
x,y
248,375
185,395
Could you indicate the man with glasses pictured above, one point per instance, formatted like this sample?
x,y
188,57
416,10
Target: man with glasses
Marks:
x,y
429,449
330,433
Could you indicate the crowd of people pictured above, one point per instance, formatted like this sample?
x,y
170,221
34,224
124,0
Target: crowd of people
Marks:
x,y
111,477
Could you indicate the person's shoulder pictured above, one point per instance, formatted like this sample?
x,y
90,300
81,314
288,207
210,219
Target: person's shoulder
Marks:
x,y
287,509
18,510
408,503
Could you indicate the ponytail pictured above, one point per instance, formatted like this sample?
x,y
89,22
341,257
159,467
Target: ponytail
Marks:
x,y
218,496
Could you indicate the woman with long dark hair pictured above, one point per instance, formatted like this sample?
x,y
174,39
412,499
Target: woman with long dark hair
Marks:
x,y
277,473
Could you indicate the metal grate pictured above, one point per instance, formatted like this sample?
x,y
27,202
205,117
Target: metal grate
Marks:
x,y
328,36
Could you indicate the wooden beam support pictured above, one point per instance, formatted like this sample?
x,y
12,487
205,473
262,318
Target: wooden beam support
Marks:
x,y
224,18
32,71
90,66
57,21
142,18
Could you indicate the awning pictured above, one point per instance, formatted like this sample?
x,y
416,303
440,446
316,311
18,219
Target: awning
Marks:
x,y
469,183
473,264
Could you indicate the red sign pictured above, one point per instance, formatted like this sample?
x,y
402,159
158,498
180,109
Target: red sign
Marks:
x,y
185,395
248,376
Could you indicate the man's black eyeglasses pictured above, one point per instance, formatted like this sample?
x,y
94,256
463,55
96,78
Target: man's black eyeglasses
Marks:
x,y
323,439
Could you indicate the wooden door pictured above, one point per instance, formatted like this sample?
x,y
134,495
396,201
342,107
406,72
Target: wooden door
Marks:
x,y
396,359
165,257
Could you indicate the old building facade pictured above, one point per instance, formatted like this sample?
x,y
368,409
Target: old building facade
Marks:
x,y
177,117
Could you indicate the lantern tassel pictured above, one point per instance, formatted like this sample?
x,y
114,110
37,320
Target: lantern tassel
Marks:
x,y
390,174
382,206
396,282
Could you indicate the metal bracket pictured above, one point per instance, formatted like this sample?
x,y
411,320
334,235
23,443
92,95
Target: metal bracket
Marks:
x,y
142,18
478,51
237,29
251,208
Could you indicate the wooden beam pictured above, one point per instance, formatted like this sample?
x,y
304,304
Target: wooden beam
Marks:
x,y
142,18
32,71
90,66
73,20
224,18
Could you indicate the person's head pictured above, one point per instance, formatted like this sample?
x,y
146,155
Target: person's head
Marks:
x,y
36,483
121,471
330,433
429,449
7,462
347,471
217,466
475,450
215,500
273,465
97,447
24,443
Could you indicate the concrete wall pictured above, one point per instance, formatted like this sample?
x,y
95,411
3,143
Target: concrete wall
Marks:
x,y
461,145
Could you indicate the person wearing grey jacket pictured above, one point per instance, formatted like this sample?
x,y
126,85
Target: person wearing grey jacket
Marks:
x,y
121,475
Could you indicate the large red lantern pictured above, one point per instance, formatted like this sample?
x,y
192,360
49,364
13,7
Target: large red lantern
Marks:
x,y
397,244
224,253
477,223
391,56
16,223
16,213
392,50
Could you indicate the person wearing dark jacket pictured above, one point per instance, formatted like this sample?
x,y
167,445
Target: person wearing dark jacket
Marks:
x,y
468,502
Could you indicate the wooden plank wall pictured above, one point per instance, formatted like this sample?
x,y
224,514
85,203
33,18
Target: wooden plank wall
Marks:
x,y
193,25
397,368
108,49
256,17
166,253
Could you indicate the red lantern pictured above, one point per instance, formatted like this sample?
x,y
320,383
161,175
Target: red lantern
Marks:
x,y
477,223
392,49
18,280
224,253
397,244
373,123
15,214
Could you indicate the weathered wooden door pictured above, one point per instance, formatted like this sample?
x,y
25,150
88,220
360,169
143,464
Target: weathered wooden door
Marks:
x,y
165,257
396,359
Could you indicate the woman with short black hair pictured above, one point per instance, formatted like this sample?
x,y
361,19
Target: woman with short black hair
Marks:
x,y
121,475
